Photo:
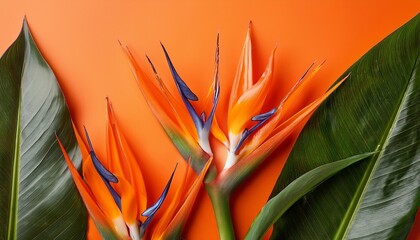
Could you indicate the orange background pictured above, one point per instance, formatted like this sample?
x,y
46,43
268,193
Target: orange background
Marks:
x,y
79,40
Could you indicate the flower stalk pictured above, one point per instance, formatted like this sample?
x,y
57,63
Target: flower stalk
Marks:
x,y
221,206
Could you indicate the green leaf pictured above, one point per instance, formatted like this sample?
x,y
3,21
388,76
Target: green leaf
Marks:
x,y
277,205
38,199
378,105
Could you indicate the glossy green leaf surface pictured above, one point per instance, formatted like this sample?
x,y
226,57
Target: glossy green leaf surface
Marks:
x,y
379,105
277,205
38,199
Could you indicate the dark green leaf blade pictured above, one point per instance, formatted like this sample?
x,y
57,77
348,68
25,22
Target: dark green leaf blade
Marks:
x,y
38,199
378,105
277,205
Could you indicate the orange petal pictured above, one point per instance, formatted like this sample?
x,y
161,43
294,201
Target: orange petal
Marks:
x,y
179,220
209,98
170,211
250,102
215,128
312,106
208,104
162,103
123,163
114,164
129,206
100,219
287,103
243,79
82,145
218,133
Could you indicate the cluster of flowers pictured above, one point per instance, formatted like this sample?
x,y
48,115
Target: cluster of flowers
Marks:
x,y
114,190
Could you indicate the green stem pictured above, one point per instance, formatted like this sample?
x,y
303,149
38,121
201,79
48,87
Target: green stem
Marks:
x,y
220,200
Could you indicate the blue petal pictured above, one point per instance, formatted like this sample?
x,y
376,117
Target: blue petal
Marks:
x,y
261,118
107,181
182,86
98,165
106,175
186,93
150,212
185,90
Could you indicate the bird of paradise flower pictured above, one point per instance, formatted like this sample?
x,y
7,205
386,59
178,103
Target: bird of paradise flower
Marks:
x,y
188,129
252,134
115,195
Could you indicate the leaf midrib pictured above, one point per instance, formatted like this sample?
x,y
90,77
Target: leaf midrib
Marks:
x,y
14,199
12,225
361,190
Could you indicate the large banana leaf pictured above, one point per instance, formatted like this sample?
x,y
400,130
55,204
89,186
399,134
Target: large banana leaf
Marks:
x,y
379,105
38,199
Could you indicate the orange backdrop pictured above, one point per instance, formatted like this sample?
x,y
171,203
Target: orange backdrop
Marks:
x,y
79,40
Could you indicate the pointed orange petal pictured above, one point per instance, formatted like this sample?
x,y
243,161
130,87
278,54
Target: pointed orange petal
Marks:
x,y
287,103
170,211
162,103
95,212
312,106
129,205
115,155
181,216
136,179
243,79
218,133
115,165
209,98
124,162
250,102
82,145
215,128
208,104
